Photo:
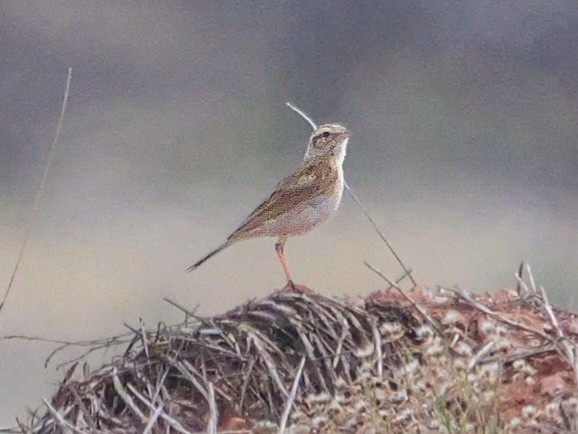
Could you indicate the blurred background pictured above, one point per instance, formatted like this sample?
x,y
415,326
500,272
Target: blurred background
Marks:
x,y
464,119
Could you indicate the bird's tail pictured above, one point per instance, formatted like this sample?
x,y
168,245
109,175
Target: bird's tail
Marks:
x,y
209,256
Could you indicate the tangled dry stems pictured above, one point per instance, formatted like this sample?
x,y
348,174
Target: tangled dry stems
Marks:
x,y
304,363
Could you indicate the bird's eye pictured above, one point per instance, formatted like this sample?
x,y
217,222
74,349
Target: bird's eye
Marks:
x,y
325,134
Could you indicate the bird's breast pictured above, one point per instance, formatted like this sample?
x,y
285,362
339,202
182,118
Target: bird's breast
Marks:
x,y
301,219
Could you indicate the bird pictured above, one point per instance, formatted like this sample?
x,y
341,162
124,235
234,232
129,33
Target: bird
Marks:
x,y
302,200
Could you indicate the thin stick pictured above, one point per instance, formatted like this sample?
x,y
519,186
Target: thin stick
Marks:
x,y
531,277
14,430
153,419
340,343
172,422
576,382
63,423
93,345
143,335
124,395
302,114
478,355
522,289
35,207
381,235
465,296
378,352
569,349
519,279
246,382
214,418
422,312
289,404
188,313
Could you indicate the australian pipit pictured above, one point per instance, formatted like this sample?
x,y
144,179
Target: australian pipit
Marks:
x,y
301,201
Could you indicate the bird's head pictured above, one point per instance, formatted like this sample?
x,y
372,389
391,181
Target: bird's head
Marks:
x,y
328,140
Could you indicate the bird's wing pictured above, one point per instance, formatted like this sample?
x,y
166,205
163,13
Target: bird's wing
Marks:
x,y
311,179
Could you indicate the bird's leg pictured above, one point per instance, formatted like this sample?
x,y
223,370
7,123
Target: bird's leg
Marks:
x,y
279,245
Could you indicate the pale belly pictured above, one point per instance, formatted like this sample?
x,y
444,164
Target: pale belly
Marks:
x,y
301,221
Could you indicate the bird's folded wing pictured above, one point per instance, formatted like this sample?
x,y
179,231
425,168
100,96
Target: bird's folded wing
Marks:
x,y
312,179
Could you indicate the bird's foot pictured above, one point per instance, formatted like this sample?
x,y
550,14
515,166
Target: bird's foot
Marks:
x,y
292,287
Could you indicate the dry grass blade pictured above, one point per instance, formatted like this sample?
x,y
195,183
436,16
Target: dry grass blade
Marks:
x,y
291,399
480,353
214,413
378,352
302,114
123,394
392,284
465,296
172,422
270,363
39,193
153,420
406,270
90,345
59,419
11,430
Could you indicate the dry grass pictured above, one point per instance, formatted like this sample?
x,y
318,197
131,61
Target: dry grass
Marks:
x,y
304,363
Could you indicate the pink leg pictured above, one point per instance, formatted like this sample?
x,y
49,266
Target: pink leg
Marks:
x,y
279,245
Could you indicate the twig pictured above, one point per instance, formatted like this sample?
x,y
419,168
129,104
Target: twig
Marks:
x,y
576,382
524,353
422,312
568,348
65,425
188,313
80,404
160,383
340,341
403,276
381,235
35,206
94,345
172,422
45,340
203,321
520,284
550,312
531,277
497,316
123,394
214,417
143,336
478,355
248,378
12,430
187,370
269,363
291,399
243,431
153,420
377,343
522,287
